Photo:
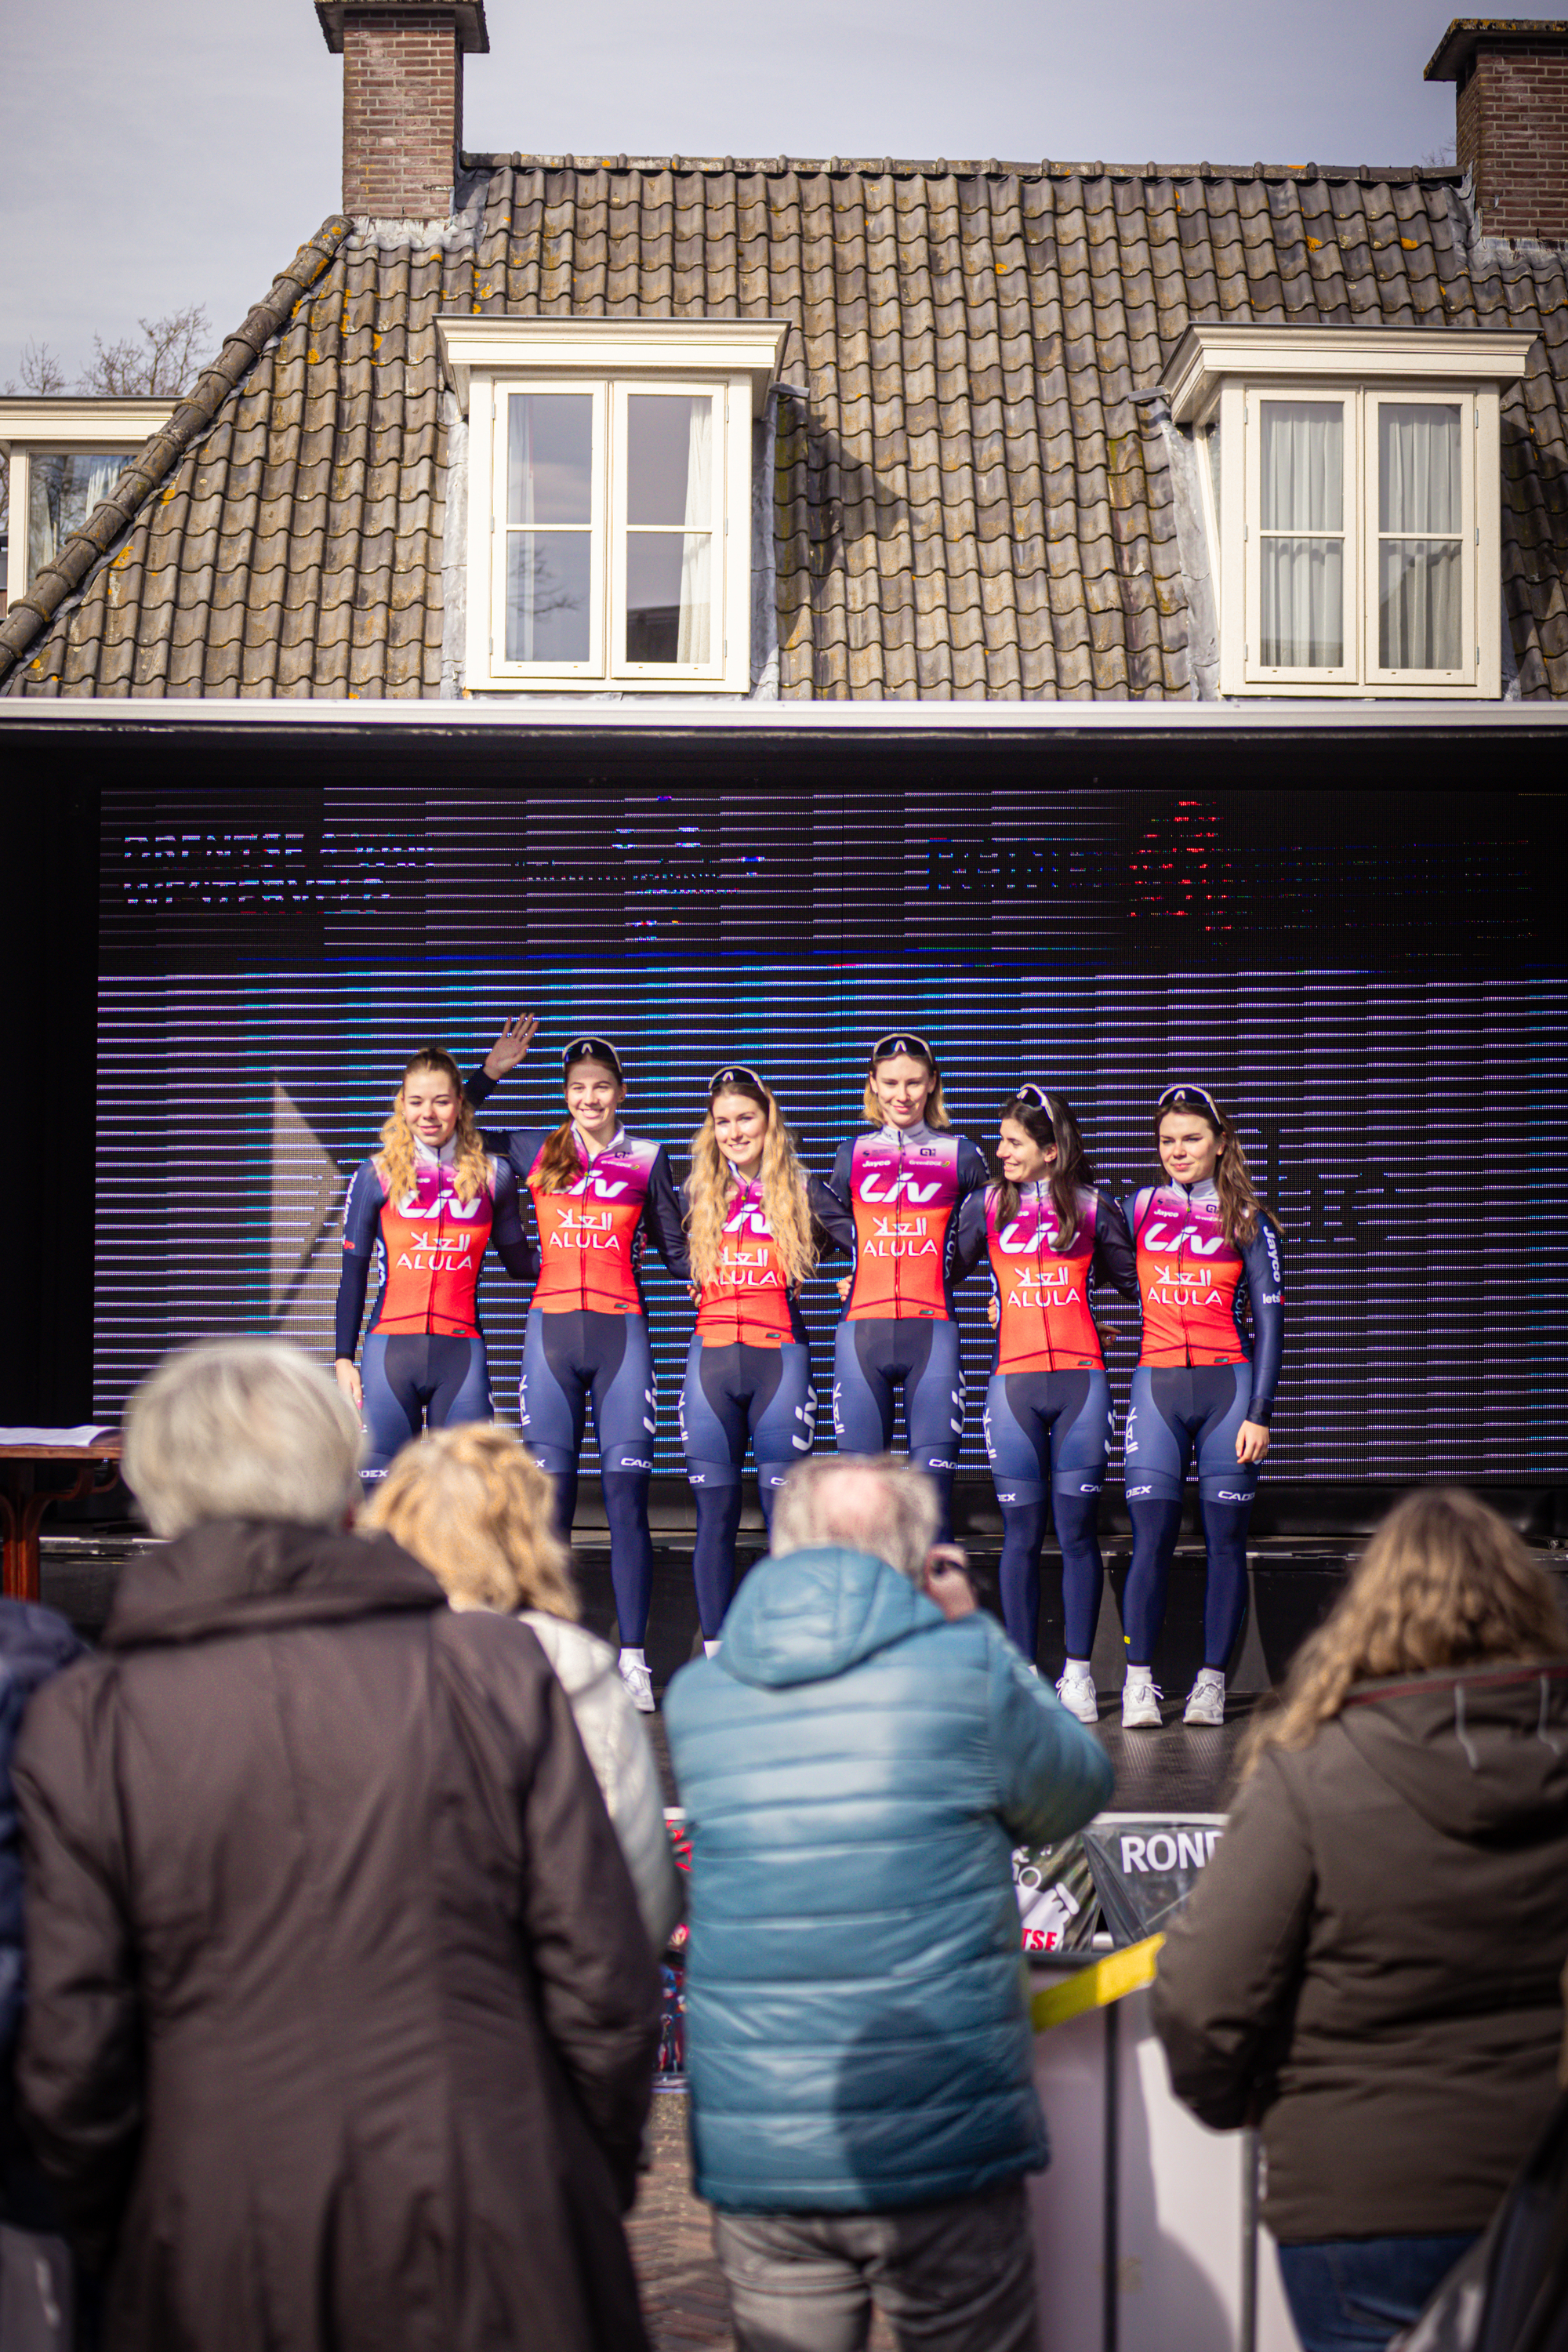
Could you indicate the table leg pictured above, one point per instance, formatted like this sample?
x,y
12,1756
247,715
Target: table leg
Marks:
x,y
22,1512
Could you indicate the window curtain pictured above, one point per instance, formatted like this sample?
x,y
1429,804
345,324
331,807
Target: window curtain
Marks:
x,y
697,544
1302,565
1419,488
64,491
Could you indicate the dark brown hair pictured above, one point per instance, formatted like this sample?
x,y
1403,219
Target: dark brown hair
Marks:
x,y
1240,1203
1056,1125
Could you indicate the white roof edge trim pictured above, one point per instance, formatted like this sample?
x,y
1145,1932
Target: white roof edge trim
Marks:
x,y
1206,355
92,422
749,347
134,714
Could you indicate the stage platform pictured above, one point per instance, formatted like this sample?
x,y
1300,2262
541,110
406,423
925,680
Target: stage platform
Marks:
x,y
1175,1769
1294,1581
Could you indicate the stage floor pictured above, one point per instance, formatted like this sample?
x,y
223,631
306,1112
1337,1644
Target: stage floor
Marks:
x,y
1172,1770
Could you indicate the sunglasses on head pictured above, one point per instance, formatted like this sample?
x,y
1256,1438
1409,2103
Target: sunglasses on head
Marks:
x,y
733,1074
1178,1098
901,1041
592,1049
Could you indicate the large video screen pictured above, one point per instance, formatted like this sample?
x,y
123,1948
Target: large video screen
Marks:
x,y
1375,991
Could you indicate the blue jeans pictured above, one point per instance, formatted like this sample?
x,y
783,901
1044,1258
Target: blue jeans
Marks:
x,y
1353,2295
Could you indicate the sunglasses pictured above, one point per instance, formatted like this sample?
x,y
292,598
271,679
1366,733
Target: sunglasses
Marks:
x,y
1177,1097
592,1049
901,1041
733,1074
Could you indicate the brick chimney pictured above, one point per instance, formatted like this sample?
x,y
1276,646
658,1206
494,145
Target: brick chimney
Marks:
x,y
1511,111
402,100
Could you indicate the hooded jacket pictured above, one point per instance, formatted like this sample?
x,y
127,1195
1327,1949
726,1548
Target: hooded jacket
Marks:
x,y
1371,1961
33,1644
340,2024
855,1772
616,1747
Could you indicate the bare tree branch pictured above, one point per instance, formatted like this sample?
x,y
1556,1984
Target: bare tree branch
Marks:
x,y
163,361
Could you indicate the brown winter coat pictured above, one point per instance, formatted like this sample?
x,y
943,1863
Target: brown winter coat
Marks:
x,y
1370,1962
341,2016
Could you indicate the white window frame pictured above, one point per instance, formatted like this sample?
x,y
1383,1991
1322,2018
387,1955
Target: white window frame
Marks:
x,y
1469,407
1253,535
734,361
492,419
64,425
1217,378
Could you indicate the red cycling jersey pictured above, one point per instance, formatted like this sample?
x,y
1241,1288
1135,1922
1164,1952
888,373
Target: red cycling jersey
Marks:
x,y
428,1246
588,1233
746,1301
1192,1280
1042,1290
904,1191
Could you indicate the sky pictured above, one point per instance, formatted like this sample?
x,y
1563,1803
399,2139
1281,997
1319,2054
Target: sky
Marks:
x,y
177,151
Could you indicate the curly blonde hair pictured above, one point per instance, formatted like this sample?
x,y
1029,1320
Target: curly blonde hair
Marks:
x,y
398,1158
710,1188
1443,1582
474,1508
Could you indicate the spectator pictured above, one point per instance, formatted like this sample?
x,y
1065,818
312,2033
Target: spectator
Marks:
x,y
475,1509
1370,1964
339,2024
856,1764
36,2285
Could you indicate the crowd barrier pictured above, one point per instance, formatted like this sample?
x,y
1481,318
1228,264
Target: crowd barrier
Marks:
x,y
1146,2227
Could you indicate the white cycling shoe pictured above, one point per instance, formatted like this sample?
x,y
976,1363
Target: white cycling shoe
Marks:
x,y
1141,1704
1079,1695
638,1684
1206,1702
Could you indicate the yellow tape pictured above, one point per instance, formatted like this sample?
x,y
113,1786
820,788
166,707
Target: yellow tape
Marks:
x,y
1109,1979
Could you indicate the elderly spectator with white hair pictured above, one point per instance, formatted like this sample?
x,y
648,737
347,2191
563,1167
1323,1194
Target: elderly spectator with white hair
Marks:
x,y
856,1764
341,2018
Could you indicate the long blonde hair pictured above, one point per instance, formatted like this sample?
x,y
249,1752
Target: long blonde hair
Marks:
x,y
1443,1582
711,1189
474,1508
398,1158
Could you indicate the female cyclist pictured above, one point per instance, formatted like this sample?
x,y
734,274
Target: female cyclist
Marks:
x,y
1049,1235
424,1207
754,1222
1207,1247
903,1186
598,1191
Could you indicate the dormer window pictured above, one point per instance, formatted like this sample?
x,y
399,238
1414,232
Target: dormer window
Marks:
x,y
609,499
1354,504
66,455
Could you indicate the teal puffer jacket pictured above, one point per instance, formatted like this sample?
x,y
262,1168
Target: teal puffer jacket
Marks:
x,y
855,1772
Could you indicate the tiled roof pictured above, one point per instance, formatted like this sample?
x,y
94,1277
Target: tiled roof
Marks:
x,y
970,505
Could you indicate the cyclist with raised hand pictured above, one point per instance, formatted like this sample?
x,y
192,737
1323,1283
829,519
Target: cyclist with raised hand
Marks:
x,y
903,1185
1208,1250
755,1223
597,1193
423,1209
1051,1239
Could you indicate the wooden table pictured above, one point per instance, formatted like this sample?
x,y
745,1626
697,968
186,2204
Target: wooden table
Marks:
x,y
23,1503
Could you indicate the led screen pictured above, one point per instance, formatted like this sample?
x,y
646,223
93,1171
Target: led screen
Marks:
x,y
1376,997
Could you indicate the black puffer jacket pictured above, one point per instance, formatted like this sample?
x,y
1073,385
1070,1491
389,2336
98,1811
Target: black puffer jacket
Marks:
x,y
1371,1960
341,2016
